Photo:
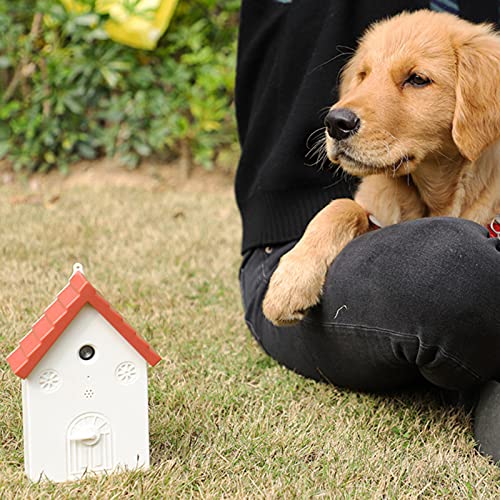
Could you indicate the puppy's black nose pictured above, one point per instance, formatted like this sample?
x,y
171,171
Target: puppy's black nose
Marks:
x,y
341,123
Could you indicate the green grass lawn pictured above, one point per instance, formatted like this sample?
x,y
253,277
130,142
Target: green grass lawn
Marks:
x,y
225,421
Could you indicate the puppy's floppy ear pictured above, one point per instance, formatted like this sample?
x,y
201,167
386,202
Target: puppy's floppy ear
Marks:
x,y
476,122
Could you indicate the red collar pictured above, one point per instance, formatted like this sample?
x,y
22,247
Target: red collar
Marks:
x,y
373,222
493,227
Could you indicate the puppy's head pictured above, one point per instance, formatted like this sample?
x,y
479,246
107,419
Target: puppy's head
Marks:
x,y
420,86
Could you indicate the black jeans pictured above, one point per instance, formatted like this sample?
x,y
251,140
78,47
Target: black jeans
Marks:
x,y
413,301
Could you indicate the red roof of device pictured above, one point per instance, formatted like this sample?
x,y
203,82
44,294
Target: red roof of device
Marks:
x,y
59,315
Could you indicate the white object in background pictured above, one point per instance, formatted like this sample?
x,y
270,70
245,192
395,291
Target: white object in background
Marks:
x,y
84,388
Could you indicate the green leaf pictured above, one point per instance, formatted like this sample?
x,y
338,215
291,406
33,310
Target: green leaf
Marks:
x,y
90,20
72,104
86,151
143,149
5,62
4,149
111,77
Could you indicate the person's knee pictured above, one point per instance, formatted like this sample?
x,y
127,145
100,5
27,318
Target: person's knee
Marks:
x,y
435,278
416,262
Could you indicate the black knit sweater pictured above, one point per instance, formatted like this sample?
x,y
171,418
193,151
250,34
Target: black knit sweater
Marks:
x,y
289,58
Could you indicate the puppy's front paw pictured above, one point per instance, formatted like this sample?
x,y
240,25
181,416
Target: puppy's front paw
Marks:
x,y
295,286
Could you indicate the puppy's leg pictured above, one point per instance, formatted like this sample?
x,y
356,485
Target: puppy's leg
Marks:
x,y
297,283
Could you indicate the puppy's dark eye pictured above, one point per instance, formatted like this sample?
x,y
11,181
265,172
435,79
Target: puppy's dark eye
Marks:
x,y
416,80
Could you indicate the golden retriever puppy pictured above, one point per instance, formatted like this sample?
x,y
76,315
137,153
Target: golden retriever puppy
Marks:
x,y
419,120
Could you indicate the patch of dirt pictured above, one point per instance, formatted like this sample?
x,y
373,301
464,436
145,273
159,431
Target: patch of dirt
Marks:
x,y
149,176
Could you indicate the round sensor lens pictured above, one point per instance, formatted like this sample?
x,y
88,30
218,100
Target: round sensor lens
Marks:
x,y
86,352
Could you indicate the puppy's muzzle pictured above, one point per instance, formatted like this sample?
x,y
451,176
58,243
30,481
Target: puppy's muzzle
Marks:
x,y
341,123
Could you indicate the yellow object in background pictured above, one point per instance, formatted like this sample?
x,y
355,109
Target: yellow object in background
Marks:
x,y
142,28
137,24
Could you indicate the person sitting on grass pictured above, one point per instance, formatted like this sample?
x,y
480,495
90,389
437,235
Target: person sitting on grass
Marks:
x,y
415,315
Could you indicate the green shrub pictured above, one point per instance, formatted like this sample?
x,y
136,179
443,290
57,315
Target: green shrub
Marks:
x,y
69,92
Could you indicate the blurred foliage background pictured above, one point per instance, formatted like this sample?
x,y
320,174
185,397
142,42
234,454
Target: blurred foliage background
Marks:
x,y
69,92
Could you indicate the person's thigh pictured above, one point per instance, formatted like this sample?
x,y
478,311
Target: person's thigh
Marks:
x,y
408,301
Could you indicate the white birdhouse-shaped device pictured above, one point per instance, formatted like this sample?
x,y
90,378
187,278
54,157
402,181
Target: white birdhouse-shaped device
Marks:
x,y
84,388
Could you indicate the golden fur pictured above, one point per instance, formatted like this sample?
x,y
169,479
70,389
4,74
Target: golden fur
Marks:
x,y
430,150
